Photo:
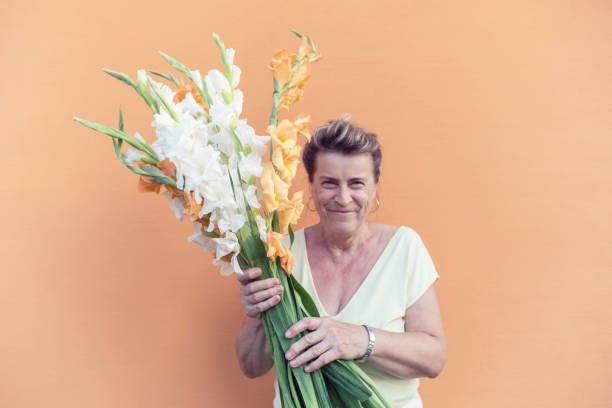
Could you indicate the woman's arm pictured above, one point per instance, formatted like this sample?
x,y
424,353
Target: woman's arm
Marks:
x,y
418,352
251,348
251,345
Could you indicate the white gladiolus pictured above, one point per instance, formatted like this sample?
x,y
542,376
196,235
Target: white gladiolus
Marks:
x,y
205,153
199,238
225,246
229,56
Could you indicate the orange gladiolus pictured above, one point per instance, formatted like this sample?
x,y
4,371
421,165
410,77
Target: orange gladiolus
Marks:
x,y
284,135
274,188
300,75
288,98
286,162
281,65
306,51
301,123
286,151
289,211
277,248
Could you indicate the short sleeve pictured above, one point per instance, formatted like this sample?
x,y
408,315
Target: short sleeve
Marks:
x,y
421,271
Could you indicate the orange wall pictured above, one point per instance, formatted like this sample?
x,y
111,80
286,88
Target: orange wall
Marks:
x,y
497,132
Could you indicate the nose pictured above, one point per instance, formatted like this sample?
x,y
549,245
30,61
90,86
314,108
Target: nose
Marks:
x,y
343,197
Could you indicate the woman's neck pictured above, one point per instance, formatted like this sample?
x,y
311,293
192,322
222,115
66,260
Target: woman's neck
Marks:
x,y
339,245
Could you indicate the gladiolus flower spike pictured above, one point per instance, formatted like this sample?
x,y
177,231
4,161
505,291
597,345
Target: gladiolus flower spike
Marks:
x,y
208,163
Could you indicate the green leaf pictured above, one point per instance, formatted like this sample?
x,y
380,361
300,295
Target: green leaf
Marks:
x,y
227,68
187,72
149,160
119,134
314,47
143,93
120,119
335,399
122,77
321,389
291,382
176,64
347,399
163,100
297,33
118,142
344,379
358,372
168,77
305,298
291,236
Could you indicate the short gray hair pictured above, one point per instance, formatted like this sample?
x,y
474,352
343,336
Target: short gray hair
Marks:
x,y
341,136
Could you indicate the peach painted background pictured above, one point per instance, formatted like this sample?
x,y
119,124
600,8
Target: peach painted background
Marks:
x,y
496,123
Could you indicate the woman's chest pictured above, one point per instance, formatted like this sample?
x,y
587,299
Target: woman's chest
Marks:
x,y
337,283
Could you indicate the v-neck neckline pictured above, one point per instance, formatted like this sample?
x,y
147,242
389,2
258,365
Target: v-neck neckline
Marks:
x,y
315,293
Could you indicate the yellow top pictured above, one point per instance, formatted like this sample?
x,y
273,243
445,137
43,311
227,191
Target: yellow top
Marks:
x,y
402,273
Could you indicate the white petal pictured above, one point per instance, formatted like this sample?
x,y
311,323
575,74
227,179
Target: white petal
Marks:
x,y
261,226
142,76
176,204
134,155
197,78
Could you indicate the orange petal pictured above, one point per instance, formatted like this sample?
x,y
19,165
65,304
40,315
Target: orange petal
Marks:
x,y
277,248
192,208
281,65
147,186
167,167
191,88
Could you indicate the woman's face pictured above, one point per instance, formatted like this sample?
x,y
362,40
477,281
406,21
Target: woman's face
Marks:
x,y
343,190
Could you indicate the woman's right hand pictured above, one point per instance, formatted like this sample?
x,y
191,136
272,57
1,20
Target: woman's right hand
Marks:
x,y
257,296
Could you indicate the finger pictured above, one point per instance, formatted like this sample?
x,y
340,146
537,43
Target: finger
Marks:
x,y
256,286
248,275
311,353
259,308
308,323
308,341
263,295
323,360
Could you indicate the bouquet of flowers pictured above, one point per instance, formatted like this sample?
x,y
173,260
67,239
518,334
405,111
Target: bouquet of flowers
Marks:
x,y
210,164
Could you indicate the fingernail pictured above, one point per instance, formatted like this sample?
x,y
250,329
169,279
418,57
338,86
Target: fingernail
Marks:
x,y
288,355
288,333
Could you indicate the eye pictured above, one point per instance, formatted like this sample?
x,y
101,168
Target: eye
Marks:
x,y
357,184
328,183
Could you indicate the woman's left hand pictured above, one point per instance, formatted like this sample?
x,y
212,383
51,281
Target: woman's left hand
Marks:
x,y
327,341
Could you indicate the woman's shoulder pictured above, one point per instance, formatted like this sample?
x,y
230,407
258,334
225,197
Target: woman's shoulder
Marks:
x,y
401,235
393,230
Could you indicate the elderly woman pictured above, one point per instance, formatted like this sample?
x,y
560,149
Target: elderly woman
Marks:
x,y
372,283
